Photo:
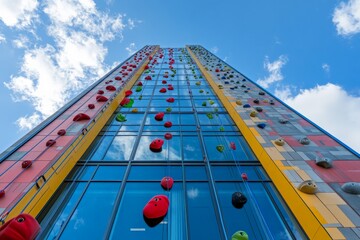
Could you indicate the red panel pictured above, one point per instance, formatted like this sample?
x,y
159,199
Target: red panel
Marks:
x,y
323,140
31,155
30,144
49,154
292,141
304,123
342,171
5,165
29,175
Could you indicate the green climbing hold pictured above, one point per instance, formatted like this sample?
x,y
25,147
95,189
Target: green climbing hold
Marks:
x,y
130,103
222,129
240,235
120,118
203,104
209,115
211,102
138,89
201,91
198,83
140,97
220,148
169,109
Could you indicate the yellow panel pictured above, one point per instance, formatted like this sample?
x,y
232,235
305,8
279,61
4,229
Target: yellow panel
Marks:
x,y
274,153
301,211
335,234
330,198
340,215
304,176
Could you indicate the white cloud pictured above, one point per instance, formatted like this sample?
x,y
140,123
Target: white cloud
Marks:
x,y
346,17
214,50
2,38
18,13
332,108
52,74
131,49
326,67
274,69
21,42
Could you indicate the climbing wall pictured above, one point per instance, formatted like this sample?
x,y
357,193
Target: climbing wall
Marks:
x,y
317,175
31,170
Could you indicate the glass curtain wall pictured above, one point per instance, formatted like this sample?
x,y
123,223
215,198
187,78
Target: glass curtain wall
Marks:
x,y
207,157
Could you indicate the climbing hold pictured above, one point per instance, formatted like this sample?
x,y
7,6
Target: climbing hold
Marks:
x,y
244,176
159,116
128,93
91,106
272,102
265,100
170,88
118,78
80,117
283,121
261,93
259,109
308,187
240,235
167,183
140,84
2,193
148,77
221,129
127,103
155,210
138,89
164,82
198,83
163,90
120,118
156,145
146,67
351,187
50,142
101,98
280,142
211,102
110,88
169,109
140,97
168,124
221,86
238,102
203,104
246,105
100,92
26,164
168,136
170,100
135,110
238,200
261,125
324,162
220,148
201,91
124,101
209,115
232,146
257,101
304,141
22,227
253,113
61,132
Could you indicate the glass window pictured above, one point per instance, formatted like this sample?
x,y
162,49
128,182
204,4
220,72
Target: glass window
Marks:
x,y
94,209
171,149
101,148
191,148
120,148
201,216
233,173
195,173
155,172
110,173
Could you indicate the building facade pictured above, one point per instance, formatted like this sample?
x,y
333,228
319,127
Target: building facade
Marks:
x,y
180,125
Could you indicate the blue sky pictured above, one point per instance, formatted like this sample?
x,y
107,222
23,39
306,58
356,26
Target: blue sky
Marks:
x,y
305,52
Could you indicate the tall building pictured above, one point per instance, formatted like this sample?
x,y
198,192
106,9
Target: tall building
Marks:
x,y
175,144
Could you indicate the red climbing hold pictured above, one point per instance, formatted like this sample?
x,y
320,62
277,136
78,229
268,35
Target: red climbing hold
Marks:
x,y
146,67
100,92
140,84
124,101
26,164
110,88
2,193
148,78
118,78
150,57
80,117
167,183
217,70
244,176
170,100
163,90
232,146
159,116
50,142
128,93
61,132
101,98
171,88
156,145
168,136
91,106
157,207
168,124
22,227
164,82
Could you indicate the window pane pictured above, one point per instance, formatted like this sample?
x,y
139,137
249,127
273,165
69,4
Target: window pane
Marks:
x,y
192,149
120,148
114,173
155,172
